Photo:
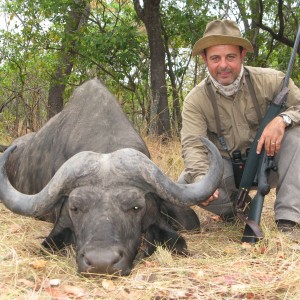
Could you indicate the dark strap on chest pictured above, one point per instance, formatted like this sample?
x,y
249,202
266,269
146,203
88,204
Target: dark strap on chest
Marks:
x,y
213,100
252,94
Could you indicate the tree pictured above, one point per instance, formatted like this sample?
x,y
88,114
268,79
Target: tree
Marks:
x,y
150,15
282,30
114,49
76,17
190,19
140,59
272,31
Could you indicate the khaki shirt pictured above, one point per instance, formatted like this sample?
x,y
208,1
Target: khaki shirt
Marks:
x,y
239,121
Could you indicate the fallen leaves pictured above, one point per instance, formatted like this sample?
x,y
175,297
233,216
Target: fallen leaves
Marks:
x,y
66,292
246,246
76,291
108,284
281,254
15,228
231,250
54,289
55,293
26,283
260,249
38,264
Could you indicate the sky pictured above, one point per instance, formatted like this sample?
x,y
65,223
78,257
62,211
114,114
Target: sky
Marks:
x,y
2,17
2,21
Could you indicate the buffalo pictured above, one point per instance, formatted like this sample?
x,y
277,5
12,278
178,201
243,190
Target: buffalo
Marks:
x,y
89,173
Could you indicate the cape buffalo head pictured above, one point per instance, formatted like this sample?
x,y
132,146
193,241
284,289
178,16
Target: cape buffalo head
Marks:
x,y
105,202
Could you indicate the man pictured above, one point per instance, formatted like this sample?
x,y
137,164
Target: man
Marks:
x,y
239,112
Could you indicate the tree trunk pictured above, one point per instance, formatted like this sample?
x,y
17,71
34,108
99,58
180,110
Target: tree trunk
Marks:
x,y
176,112
77,16
251,30
150,16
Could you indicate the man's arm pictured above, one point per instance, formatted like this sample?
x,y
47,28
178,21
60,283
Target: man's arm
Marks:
x,y
194,152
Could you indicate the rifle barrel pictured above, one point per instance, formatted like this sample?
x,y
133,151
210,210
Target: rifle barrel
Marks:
x,y
292,59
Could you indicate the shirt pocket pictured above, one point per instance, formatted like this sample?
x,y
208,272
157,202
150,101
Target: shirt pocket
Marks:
x,y
252,118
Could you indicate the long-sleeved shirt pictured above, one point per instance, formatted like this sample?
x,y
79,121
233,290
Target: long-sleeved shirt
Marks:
x,y
239,120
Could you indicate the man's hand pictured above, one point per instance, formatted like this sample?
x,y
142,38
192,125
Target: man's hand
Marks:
x,y
213,197
271,137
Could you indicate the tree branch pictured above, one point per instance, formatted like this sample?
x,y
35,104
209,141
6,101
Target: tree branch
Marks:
x,y
276,36
139,10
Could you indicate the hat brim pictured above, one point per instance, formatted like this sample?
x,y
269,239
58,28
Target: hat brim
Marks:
x,y
217,39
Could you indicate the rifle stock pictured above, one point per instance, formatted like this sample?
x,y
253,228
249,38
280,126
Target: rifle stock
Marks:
x,y
257,203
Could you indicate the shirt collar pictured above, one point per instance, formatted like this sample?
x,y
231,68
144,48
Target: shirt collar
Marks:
x,y
231,89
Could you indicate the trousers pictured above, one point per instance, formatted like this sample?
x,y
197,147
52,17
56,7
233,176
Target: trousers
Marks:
x,y
286,181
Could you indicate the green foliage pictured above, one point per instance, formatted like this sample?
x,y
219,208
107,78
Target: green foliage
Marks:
x,y
271,52
114,47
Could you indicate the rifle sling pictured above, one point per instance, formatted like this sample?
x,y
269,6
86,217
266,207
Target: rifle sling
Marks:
x,y
213,101
253,95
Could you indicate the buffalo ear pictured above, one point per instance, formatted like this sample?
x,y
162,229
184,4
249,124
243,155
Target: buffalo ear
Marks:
x,y
58,240
180,218
162,234
62,233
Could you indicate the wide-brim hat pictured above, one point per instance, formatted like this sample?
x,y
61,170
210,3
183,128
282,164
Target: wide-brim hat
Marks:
x,y
221,32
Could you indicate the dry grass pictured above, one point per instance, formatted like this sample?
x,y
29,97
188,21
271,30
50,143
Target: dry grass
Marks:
x,y
219,265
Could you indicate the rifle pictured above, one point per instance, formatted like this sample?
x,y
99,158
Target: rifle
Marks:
x,y
259,165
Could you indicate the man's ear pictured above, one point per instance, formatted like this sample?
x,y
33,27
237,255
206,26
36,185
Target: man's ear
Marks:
x,y
243,54
204,56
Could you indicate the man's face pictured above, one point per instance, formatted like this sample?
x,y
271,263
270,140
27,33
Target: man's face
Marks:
x,y
224,62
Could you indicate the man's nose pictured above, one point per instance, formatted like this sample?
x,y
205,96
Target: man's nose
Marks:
x,y
223,63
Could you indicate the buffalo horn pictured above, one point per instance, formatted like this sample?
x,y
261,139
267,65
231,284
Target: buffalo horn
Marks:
x,y
125,167
152,179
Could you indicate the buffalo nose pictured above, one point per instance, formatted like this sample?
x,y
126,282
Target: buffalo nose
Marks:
x,y
103,261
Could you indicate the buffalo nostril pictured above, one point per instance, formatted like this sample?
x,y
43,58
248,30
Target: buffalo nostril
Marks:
x,y
86,260
117,257
104,261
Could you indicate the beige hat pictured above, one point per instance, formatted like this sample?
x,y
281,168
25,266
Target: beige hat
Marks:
x,y
221,32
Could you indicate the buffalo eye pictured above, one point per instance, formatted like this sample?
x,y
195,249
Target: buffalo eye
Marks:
x,y
74,209
136,208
